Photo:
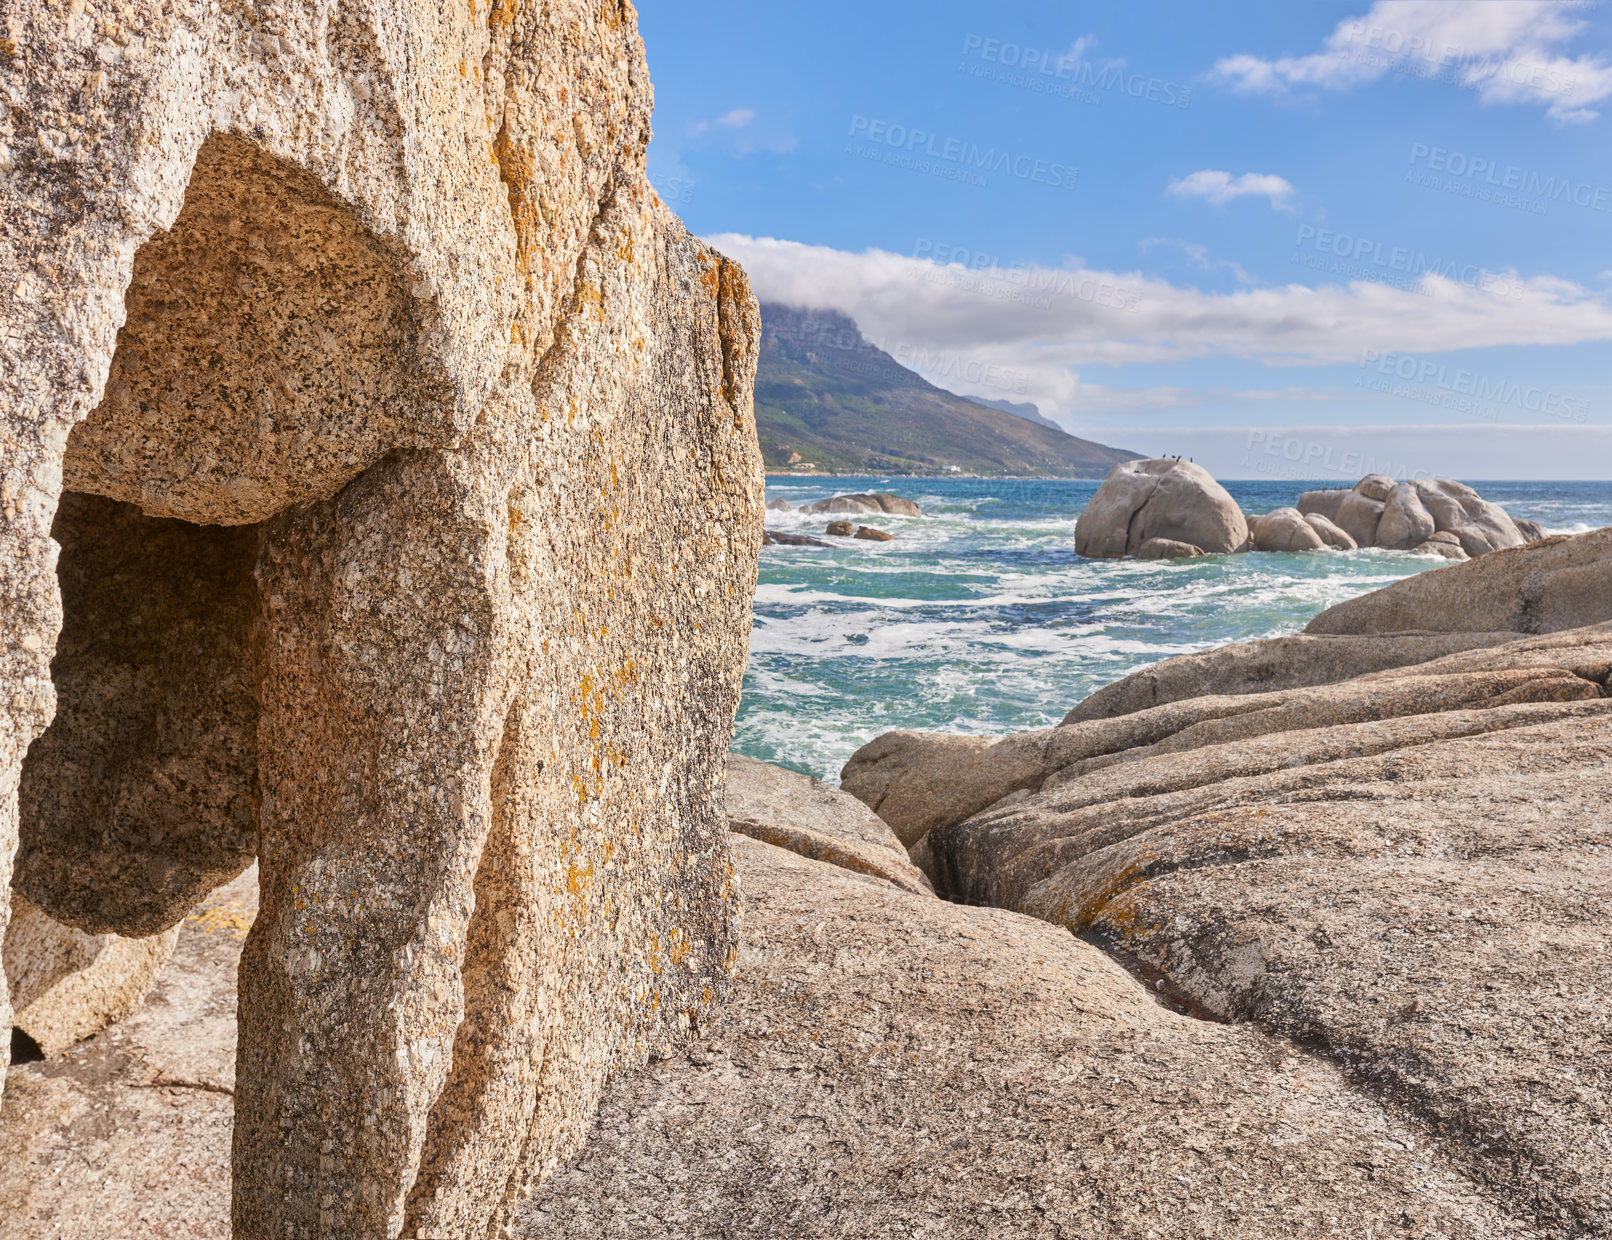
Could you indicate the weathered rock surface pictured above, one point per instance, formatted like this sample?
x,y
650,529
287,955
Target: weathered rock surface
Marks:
x,y
1141,500
1273,663
67,985
839,529
1446,546
1322,503
916,781
877,501
1358,516
1167,549
1405,520
1407,872
889,1065
1480,525
807,816
451,420
1331,534
128,1135
1532,531
1558,583
919,782
1285,529
896,1066
868,534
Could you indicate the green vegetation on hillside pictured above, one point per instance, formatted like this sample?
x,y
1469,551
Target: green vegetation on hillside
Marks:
x,y
826,397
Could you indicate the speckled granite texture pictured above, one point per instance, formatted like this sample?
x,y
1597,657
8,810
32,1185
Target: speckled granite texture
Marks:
x,y
405,439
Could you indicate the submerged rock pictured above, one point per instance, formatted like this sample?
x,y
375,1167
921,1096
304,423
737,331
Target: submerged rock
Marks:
x,y
779,538
877,501
1167,549
868,533
1175,500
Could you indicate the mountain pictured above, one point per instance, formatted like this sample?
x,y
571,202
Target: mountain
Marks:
x,y
825,397
1019,409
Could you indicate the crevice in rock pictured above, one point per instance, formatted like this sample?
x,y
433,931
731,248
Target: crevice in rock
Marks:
x,y
1160,987
569,308
490,976
24,1049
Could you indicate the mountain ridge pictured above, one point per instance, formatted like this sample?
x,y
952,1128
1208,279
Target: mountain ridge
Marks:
x,y
831,402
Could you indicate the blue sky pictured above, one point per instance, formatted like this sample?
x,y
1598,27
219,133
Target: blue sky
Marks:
x,y
1281,238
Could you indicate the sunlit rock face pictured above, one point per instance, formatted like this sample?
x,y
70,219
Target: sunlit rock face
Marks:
x,y
379,498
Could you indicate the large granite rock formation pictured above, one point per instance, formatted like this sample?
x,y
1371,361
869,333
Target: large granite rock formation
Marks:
x,y
893,1065
1556,583
1273,663
1404,872
1405,516
889,1064
398,444
1169,499
919,782
1285,529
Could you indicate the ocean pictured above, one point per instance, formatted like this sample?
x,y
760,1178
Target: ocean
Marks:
x,y
979,617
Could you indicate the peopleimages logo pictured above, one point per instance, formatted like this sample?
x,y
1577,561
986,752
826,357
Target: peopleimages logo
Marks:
x,y
923,151
1019,282
1473,171
1363,258
1463,390
1297,457
1041,69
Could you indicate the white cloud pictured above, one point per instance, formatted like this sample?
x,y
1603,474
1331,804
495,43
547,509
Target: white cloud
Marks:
x,y
1078,49
735,118
1509,52
1043,322
1219,188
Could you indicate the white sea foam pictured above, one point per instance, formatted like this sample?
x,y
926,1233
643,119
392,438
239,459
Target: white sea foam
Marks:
x,y
980,619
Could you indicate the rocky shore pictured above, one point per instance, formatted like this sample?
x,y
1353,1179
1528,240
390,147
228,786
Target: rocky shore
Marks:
x,y
1171,509
1306,936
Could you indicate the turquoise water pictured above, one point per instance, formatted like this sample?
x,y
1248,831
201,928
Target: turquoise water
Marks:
x,y
980,618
